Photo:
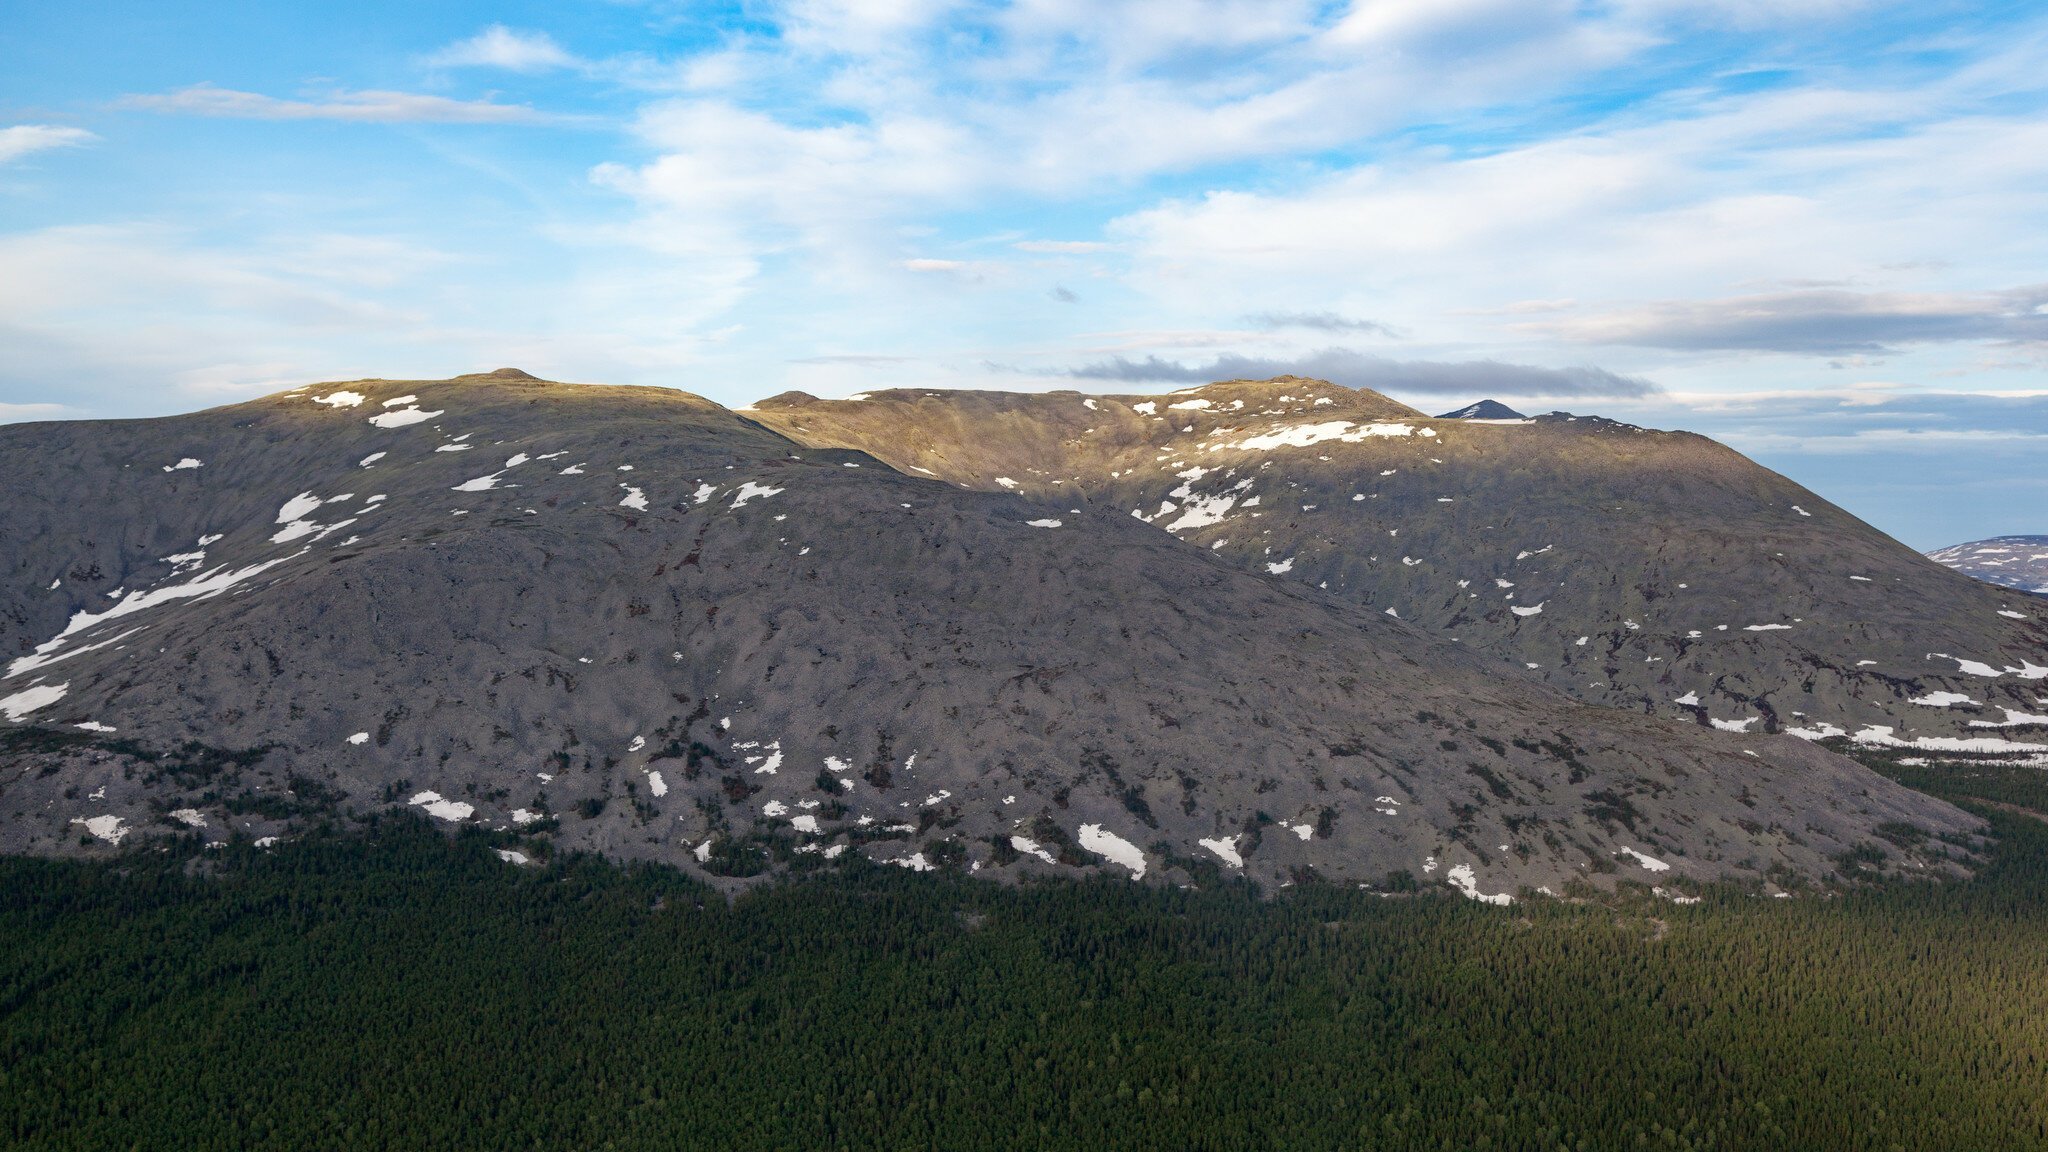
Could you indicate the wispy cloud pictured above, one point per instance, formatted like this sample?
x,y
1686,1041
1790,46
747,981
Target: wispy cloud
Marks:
x,y
371,106
500,47
1062,247
23,139
1473,378
1817,321
1318,321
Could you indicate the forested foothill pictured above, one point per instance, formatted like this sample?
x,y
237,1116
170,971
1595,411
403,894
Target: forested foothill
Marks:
x,y
401,988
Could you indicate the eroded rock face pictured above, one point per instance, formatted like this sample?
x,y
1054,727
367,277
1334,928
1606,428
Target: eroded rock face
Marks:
x,y
1655,572
633,621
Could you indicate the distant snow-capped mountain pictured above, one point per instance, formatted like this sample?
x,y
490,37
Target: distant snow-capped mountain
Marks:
x,y
2009,561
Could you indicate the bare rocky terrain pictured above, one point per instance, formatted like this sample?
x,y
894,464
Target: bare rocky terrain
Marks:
x,y
630,620
1653,572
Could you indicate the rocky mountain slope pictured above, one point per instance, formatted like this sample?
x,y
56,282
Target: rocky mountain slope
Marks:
x,y
1653,572
630,620
2009,561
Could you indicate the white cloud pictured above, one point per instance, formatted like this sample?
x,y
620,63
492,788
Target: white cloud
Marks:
x,y
366,106
500,47
22,139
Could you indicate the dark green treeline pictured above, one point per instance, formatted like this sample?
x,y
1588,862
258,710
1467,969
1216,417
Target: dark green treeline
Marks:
x,y
400,990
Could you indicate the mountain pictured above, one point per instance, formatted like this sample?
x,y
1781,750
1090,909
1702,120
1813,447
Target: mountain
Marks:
x,y
630,620
1484,410
2009,561
1647,571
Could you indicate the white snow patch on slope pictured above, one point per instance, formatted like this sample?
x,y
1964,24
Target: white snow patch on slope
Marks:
x,y
1942,699
1649,862
402,417
1029,847
1148,408
1118,850
1733,725
479,484
1465,880
1225,847
749,490
440,809
184,464
1768,628
1043,523
46,654
107,828
1535,611
1282,567
359,738
201,588
1690,700
30,699
2013,719
343,399
1880,736
1307,435
189,817
1203,511
634,499
513,856
1188,404
656,784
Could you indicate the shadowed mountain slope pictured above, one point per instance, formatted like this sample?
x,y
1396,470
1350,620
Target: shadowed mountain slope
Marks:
x,y
1655,572
627,619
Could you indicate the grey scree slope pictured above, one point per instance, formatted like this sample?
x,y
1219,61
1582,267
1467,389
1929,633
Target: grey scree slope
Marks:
x,y
498,599
1657,572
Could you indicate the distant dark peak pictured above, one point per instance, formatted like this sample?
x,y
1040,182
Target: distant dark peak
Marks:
x,y
789,399
1484,410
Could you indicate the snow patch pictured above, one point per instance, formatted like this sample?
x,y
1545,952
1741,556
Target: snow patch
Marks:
x,y
1465,880
1118,850
403,417
750,490
1226,848
441,809
31,699
1649,862
1942,700
106,828
1306,435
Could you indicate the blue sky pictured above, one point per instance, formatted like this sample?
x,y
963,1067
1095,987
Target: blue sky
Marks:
x,y
1817,229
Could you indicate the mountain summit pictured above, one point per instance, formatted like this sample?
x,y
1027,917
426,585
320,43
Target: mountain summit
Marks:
x,y
1484,410
630,620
